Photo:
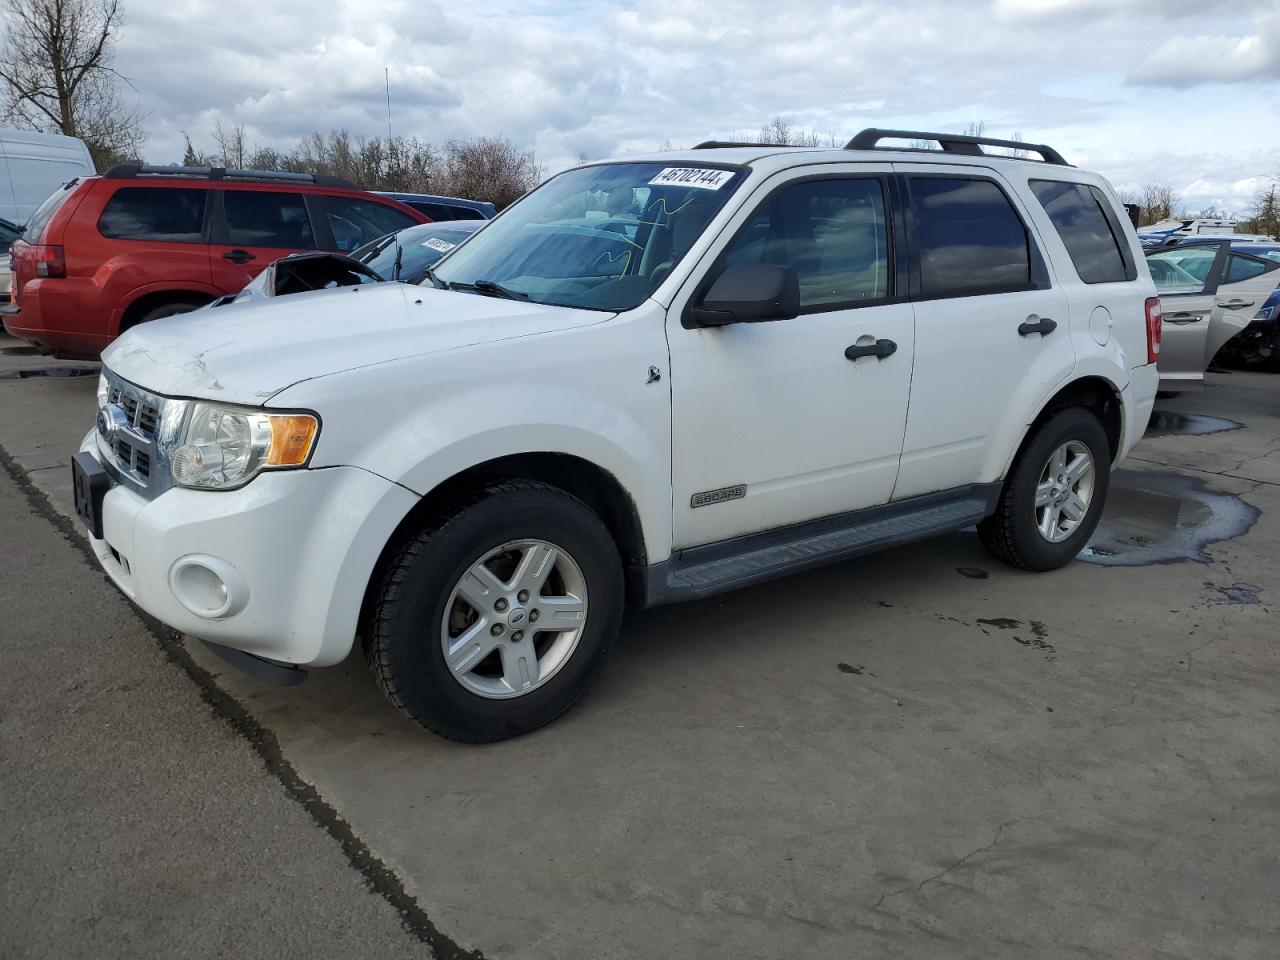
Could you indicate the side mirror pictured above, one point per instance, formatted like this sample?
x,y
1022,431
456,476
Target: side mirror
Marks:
x,y
748,293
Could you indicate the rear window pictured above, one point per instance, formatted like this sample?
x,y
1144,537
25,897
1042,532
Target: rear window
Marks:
x,y
265,218
970,239
154,213
445,211
8,234
44,213
355,222
1079,215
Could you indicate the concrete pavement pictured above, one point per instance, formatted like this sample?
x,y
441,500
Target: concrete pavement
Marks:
x,y
916,754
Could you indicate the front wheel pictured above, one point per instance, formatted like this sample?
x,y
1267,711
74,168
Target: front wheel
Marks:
x,y
1054,495
496,617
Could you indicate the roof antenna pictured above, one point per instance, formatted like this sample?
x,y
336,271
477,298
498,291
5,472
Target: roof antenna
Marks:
x,y
387,71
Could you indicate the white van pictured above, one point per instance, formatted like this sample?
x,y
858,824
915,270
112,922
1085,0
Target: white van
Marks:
x,y
33,165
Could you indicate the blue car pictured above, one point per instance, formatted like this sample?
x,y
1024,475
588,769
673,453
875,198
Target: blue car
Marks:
x,y
446,208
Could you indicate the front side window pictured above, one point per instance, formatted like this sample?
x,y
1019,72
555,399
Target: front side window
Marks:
x,y
832,233
969,238
168,214
355,222
600,237
261,218
1078,215
1182,269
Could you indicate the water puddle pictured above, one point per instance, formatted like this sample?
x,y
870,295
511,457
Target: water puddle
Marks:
x,y
53,373
1155,518
1166,423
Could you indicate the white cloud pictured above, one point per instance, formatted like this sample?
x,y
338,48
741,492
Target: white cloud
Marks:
x,y
612,77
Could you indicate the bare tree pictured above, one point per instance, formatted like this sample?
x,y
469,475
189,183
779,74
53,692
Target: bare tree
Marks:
x,y
975,128
1158,202
489,168
56,72
232,144
782,132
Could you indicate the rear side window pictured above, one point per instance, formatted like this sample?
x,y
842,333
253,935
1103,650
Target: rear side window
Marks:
x,y
44,213
1243,268
261,218
154,213
355,222
969,238
832,233
1079,216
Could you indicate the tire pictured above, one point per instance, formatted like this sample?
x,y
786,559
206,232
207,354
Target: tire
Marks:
x,y
1013,533
423,602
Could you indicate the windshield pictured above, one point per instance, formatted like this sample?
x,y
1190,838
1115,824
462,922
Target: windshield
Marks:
x,y
599,237
417,248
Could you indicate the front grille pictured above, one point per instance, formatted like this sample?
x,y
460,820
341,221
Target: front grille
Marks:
x,y
143,416
134,436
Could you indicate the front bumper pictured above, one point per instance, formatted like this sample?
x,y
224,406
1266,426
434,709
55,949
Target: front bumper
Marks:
x,y
294,550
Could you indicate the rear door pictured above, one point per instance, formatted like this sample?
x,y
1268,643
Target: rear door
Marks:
x,y
1187,279
992,338
1247,284
251,228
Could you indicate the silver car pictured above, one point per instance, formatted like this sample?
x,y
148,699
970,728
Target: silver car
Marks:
x,y
8,233
1208,293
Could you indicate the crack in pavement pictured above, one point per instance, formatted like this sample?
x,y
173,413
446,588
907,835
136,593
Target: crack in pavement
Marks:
x,y
916,888
380,879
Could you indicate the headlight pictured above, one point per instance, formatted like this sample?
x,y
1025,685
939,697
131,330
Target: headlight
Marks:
x,y
223,447
1266,313
103,390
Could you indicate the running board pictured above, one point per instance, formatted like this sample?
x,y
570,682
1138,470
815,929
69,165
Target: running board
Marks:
x,y
741,562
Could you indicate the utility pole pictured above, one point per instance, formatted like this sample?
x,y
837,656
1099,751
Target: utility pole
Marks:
x,y
387,71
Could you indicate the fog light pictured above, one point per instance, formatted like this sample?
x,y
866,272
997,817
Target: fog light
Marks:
x,y
210,588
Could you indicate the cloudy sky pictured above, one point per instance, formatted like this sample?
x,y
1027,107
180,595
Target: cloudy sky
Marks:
x,y
1181,91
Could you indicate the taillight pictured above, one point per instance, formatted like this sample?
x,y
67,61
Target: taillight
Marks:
x,y
50,261
1154,320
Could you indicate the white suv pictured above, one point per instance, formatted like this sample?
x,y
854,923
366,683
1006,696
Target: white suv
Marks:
x,y
650,380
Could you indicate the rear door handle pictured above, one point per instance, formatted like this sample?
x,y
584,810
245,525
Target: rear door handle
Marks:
x,y
238,256
1180,319
880,349
1043,326
1235,304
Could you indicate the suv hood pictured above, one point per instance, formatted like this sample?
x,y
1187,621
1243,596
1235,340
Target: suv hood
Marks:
x,y
248,352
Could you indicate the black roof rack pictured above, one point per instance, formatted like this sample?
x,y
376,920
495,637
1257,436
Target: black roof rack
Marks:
x,y
870,138
129,171
717,144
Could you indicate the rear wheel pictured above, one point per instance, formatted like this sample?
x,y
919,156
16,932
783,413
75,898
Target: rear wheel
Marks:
x,y
164,310
495,619
1054,495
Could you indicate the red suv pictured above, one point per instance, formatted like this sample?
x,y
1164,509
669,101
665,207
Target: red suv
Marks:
x,y
139,243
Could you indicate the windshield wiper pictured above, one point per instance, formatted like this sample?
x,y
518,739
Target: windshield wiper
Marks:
x,y
490,288
436,281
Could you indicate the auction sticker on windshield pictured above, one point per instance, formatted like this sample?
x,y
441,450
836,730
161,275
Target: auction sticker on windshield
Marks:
x,y
701,177
435,243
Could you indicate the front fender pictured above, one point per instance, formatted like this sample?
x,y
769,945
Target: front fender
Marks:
x,y
583,392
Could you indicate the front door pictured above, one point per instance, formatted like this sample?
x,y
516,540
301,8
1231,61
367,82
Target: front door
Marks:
x,y
773,423
992,332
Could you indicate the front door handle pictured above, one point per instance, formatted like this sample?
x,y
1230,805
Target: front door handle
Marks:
x,y
1235,304
1179,319
880,349
1043,326
238,256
